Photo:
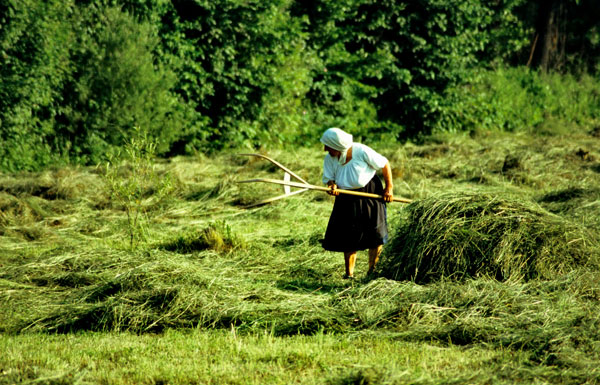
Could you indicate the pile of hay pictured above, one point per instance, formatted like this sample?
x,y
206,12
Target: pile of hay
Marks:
x,y
217,236
471,235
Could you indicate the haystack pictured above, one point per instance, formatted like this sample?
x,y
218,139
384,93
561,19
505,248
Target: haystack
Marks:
x,y
458,236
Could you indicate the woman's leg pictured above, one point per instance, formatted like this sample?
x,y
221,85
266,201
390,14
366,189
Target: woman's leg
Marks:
x,y
350,261
374,257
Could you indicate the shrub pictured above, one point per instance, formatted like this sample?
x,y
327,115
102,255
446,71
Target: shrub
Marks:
x,y
517,99
34,57
244,69
392,58
117,85
75,79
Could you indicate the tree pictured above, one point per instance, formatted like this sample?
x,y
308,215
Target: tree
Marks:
x,y
398,56
548,46
566,35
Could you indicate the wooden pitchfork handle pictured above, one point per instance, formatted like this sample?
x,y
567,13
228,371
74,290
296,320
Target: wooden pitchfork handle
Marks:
x,y
326,189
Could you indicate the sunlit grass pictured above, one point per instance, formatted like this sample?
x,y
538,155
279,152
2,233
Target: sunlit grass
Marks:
x,y
218,293
227,357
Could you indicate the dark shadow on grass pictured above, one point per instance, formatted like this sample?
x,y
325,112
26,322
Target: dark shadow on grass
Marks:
x,y
304,278
309,285
595,167
139,311
308,327
568,200
67,280
367,376
563,195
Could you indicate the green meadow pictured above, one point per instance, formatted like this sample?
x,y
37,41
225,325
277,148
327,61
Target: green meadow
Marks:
x,y
155,271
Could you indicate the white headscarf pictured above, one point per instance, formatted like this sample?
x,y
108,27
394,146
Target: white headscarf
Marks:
x,y
338,140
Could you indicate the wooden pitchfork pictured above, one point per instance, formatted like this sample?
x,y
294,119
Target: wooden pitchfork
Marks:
x,y
303,185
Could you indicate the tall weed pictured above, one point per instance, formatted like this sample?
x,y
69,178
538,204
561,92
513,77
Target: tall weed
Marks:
x,y
134,184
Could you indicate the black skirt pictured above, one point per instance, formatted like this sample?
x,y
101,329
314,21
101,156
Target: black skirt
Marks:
x,y
357,223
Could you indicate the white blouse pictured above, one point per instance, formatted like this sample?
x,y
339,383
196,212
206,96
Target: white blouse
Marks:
x,y
358,172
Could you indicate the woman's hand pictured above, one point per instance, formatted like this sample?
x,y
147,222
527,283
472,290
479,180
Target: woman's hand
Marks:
x,y
333,188
388,194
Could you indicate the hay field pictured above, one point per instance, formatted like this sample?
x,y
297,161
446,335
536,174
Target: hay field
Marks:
x,y
491,275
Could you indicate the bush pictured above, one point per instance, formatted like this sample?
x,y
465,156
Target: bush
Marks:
x,y
117,85
515,99
34,57
388,63
75,79
244,69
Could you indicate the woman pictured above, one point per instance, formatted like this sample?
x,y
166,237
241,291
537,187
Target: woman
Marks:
x,y
355,223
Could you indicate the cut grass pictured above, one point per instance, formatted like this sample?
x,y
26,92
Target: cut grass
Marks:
x,y
470,234
216,236
69,283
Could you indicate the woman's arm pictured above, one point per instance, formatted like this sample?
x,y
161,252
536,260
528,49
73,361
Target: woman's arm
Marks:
x,y
388,193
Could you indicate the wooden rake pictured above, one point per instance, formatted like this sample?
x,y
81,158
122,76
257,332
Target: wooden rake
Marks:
x,y
303,185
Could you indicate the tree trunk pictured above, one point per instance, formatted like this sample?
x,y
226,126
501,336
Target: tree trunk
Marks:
x,y
547,51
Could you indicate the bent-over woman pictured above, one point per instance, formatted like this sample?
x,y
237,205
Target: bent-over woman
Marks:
x,y
355,223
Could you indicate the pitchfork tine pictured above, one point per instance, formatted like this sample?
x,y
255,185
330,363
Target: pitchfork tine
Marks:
x,y
276,163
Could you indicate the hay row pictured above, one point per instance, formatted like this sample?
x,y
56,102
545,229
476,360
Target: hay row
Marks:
x,y
483,234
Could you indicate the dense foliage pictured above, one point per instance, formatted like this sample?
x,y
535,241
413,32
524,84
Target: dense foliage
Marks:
x,y
77,76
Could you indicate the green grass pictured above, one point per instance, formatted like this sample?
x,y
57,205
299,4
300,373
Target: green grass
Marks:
x,y
217,293
225,357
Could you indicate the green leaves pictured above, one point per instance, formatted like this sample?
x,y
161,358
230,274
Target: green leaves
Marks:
x,y
204,75
76,79
117,85
406,54
241,53
33,62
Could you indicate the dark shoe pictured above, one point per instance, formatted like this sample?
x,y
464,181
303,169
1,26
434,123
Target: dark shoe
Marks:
x,y
346,276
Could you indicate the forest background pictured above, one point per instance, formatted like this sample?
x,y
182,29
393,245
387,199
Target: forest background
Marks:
x,y
79,78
